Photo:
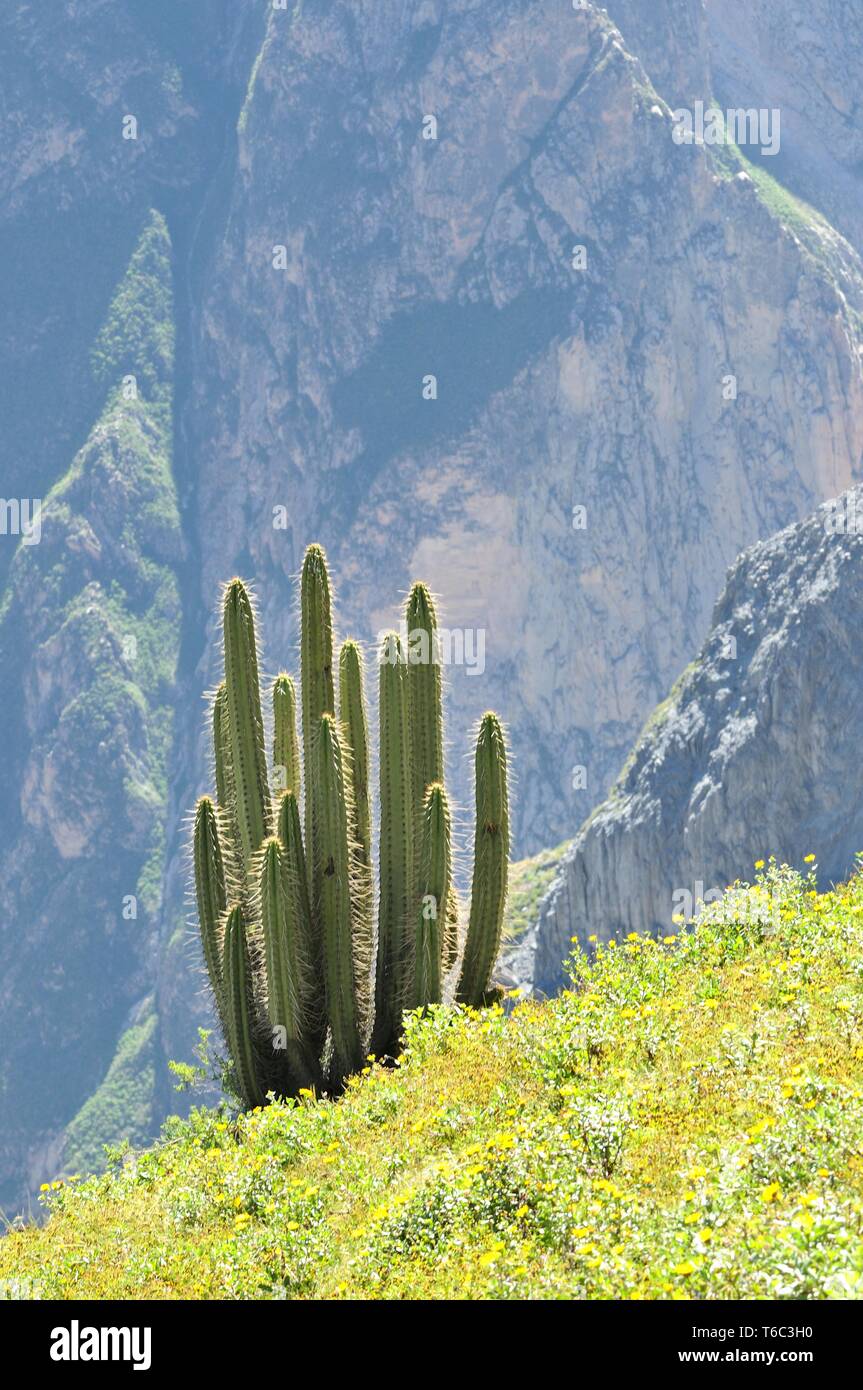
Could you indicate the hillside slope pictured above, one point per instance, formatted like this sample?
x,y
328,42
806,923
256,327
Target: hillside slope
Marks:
x,y
320,257
684,1123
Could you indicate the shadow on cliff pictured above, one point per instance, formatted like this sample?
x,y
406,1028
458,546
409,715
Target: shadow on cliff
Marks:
x,y
471,349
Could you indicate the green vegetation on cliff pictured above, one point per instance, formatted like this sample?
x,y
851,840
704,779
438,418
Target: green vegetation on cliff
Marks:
x,y
685,1122
89,644
529,880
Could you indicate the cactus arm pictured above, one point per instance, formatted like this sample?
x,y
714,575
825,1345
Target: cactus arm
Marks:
x,y
343,982
297,895
286,970
245,723
434,881
397,887
221,748
355,732
316,680
490,867
280,942
425,695
286,748
210,891
239,1006
355,737
291,838
425,690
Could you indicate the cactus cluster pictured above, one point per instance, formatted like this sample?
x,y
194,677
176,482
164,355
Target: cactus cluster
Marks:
x,y
306,976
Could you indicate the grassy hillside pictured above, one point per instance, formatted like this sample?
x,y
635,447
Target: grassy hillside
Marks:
x,y
686,1122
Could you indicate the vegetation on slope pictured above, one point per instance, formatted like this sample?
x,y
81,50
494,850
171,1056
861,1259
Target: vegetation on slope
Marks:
x,y
685,1122
529,881
89,645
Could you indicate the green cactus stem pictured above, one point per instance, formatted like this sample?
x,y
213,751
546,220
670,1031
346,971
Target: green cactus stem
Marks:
x,y
245,723
286,967
355,740
317,695
343,973
425,696
239,1006
297,894
286,748
221,749
281,942
397,887
291,839
425,689
355,732
210,891
490,865
434,881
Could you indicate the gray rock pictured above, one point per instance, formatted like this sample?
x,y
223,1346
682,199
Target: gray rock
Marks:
x,y
755,753
802,58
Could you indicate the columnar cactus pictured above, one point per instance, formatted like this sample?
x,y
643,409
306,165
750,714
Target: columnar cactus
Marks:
x,y
434,889
303,982
426,704
239,1005
244,735
286,748
396,847
210,892
426,732
490,861
346,959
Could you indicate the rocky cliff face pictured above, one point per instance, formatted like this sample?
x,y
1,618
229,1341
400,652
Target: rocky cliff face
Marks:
x,y
804,60
433,284
641,366
89,643
753,754
76,180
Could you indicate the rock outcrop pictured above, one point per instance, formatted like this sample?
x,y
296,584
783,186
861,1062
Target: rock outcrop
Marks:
x,y
801,57
754,753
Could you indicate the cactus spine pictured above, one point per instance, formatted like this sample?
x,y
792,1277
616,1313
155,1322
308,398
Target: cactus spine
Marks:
x,y
286,911
490,864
